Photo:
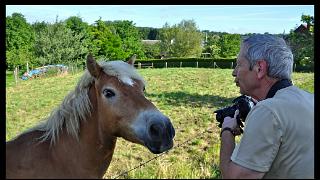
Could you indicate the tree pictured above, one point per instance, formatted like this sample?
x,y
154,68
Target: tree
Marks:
x,y
152,51
167,35
229,44
105,43
79,28
19,41
39,26
144,32
302,44
57,44
148,33
182,40
309,20
187,40
212,45
130,38
76,24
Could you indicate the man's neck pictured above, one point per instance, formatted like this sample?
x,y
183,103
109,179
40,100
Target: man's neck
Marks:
x,y
262,91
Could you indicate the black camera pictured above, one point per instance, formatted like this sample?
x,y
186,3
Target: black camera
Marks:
x,y
243,103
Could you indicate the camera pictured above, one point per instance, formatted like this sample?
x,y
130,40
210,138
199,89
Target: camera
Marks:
x,y
243,103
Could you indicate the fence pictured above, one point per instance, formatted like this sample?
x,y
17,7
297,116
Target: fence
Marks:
x,y
196,64
38,72
199,64
73,69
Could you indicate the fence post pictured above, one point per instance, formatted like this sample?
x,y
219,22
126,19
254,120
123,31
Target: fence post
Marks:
x,y
294,67
180,64
27,67
166,64
15,75
139,65
152,64
197,64
214,65
231,65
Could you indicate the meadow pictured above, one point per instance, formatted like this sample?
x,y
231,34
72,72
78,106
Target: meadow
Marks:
x,y
188,96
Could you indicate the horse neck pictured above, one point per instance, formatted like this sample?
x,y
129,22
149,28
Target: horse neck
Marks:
x,y
94,150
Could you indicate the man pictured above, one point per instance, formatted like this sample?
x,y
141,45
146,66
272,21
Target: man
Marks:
x,y
278,137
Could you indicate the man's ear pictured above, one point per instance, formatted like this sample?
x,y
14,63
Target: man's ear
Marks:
x,y
261,68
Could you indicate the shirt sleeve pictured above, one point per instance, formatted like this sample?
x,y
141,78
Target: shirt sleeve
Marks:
x,y
261,140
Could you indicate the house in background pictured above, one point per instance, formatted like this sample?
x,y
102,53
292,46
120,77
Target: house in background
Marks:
x,y
150,42
303,28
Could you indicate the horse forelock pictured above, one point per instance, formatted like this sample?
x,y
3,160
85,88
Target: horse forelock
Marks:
x,y
122,70
76,106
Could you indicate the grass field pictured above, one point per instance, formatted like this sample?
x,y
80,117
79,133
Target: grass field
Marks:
x,y
188,96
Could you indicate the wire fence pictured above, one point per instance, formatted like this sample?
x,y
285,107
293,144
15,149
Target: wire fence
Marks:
x,y
198,136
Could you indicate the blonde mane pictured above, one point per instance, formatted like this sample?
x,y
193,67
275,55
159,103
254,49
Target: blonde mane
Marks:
x,y
76,106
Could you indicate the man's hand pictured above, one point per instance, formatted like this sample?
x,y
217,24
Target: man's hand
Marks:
x,y
232,123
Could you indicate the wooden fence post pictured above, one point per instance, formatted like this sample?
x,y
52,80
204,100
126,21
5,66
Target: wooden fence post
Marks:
x,y
180,64
15,72
197,64
27,67
166,64
139,65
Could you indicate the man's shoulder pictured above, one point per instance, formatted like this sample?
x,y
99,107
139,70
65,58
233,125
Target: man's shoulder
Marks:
x,y
291,94
290,100
292,91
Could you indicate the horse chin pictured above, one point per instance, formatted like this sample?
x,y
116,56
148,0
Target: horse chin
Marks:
x,y
157,148
155,151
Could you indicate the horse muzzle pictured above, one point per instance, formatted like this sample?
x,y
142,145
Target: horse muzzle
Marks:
x,y
160,134
157,133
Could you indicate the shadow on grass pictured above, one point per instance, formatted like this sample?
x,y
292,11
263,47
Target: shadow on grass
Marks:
x,y
193,100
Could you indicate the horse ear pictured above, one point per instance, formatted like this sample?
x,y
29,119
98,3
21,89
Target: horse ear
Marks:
x,y
132,59
93,67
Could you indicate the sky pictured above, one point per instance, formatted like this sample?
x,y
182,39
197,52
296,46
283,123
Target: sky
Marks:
x,y
241,19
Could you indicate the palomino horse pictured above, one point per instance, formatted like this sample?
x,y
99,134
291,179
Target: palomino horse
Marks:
x,y
78,139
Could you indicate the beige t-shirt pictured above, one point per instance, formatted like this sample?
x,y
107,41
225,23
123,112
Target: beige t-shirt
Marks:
x,y
279,136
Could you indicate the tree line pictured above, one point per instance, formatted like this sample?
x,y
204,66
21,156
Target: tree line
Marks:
x,y
69,41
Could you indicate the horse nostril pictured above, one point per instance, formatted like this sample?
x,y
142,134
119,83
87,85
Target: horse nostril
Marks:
x,y
155,131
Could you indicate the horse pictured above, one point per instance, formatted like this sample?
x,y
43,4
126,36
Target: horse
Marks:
x,y
78,138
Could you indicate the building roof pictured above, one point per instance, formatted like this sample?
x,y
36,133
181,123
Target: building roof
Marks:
x,y
151,42
302,29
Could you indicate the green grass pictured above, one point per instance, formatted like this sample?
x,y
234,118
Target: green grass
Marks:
x,y
188,96
9,79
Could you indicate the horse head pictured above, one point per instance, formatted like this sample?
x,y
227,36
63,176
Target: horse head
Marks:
x,y
122,108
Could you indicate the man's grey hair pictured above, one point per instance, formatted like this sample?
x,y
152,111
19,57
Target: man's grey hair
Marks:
x,y
273,50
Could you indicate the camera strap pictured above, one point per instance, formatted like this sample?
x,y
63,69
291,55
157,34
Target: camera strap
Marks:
x,y
283,83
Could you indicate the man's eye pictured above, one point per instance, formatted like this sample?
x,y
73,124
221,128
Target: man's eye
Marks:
x,y
108,93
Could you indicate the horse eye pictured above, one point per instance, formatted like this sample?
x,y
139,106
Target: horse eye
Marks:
x,y
108,93
144,89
